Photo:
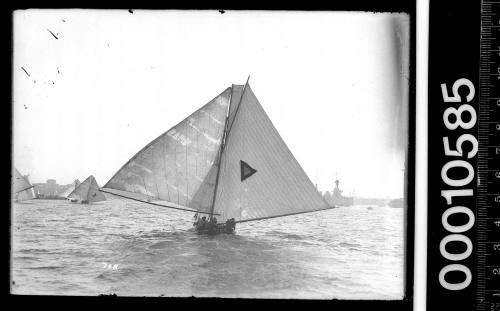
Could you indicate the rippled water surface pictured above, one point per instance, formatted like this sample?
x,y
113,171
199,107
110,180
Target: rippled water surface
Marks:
x,y
134,249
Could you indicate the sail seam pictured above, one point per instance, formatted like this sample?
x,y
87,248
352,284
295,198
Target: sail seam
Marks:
x,y
154,177
158,138
165,171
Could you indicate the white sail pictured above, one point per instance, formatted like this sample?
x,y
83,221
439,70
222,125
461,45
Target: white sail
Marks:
x,y
25,195
259,177
19,182
179,167
87,191
253,175
65,193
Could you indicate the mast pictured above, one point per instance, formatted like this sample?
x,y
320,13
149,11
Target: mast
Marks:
x,y
224,137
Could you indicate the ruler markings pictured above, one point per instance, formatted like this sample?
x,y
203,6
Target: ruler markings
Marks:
x,y
486,105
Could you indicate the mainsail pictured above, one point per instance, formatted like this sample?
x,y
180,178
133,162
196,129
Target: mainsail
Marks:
x,y
226,159
88,191
179,167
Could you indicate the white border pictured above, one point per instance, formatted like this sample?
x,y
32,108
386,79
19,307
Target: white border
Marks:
x,y
420,255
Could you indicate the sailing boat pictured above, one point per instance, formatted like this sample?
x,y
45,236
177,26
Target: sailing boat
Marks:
x,y
21,187
226,161
87,192
65,194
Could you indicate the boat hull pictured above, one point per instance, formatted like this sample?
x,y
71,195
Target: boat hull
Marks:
x,y
212,229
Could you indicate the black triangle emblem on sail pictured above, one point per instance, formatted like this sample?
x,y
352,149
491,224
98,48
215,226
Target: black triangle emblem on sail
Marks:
x,y
246,170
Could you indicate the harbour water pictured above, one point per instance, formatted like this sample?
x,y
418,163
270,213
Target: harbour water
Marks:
x,y
132,249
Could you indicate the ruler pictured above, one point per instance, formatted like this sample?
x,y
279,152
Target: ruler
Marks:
x,y
488,162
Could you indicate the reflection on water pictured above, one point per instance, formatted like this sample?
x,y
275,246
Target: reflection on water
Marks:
x,y
128,248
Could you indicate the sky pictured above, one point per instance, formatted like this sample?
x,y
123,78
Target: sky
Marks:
x,y
92,87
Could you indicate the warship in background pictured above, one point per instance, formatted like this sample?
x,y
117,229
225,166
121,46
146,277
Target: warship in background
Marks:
x,y
336,198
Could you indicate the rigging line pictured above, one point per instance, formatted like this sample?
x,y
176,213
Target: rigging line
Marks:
x,y
291,214
239,103
224,168
243,196
157,204
221,148
226,133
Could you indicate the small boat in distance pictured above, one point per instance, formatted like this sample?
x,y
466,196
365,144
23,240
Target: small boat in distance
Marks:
x,y
87,192
336,198
21,187
68,189
226,161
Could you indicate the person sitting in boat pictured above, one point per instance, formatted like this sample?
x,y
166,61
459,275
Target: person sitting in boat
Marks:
x,y
202,224
230,225
196,220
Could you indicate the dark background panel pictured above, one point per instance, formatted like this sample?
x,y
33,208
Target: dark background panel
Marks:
x,y
454,28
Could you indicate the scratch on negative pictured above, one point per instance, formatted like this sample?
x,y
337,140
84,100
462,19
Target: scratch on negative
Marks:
x,y
52,34
25,71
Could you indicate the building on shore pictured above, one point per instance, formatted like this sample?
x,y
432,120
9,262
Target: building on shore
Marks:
x,y
50,189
